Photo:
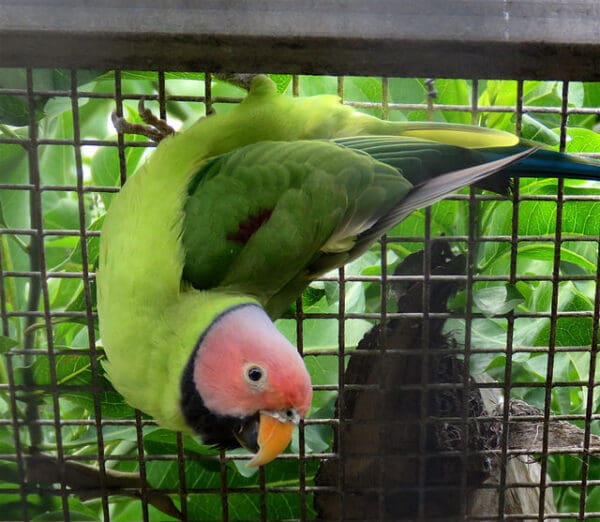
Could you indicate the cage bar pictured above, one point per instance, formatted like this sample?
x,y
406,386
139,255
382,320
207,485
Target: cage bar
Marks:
x,y
449,38
481,40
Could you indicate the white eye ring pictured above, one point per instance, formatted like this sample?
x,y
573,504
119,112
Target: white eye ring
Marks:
x,y
255,376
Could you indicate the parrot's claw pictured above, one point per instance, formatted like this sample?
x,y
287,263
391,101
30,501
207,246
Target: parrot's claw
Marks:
x,y
159,124
156,129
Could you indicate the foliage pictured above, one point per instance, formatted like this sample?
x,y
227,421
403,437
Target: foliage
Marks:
x,y
81,380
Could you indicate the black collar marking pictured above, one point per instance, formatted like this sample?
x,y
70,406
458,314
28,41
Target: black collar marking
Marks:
x,y
216,430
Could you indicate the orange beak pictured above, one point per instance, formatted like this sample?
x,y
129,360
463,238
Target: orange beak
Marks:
x,y
274,436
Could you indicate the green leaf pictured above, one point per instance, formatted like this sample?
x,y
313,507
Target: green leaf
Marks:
x,y
324,333
160,440
321,334
75,370
546,252
202,471
454,92
89,437
406,90
535,129
282,81
6,343
361,88
313,85
499,92
59,516
14,109
9,473
497,299
582,140
70,369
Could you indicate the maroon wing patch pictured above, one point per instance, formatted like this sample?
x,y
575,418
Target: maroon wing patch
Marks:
x,y
249,227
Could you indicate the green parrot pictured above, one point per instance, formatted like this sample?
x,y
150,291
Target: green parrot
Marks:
x,y
227,222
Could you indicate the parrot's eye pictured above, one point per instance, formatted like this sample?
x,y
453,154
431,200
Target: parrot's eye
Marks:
x,y
255,376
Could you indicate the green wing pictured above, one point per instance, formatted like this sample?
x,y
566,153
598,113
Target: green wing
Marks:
x,y
266,219
259,216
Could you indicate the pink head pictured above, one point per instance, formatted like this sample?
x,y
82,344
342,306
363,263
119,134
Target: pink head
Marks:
x,y
244,368
245,365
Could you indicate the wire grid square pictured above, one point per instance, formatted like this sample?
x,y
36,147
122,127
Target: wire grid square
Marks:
x,y
75,195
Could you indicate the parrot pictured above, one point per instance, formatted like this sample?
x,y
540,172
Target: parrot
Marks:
x,y
226,223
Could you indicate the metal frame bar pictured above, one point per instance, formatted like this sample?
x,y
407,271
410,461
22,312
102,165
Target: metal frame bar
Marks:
x,y
451,38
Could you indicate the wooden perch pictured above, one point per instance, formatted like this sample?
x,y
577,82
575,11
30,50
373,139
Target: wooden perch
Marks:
x,y
520,469
86,483
524,435
527,435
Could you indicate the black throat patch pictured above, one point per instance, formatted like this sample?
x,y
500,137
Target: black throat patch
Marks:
x,y
216,430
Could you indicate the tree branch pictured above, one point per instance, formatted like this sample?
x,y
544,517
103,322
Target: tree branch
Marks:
x,y
85,482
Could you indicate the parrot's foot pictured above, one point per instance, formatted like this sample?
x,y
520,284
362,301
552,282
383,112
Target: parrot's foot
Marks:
x,y
155,128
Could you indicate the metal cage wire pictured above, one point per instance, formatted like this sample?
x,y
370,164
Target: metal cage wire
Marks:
x,y
40,319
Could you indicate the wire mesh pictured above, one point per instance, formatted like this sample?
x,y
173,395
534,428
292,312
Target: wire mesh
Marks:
x,y
58,402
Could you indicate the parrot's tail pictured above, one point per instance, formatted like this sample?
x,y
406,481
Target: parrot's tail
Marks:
x,y
546,163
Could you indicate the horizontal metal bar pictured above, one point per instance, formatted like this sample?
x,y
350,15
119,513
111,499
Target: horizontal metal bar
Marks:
x,y
448,315
49,275
497,278
84,142
364,489
48,232
165,457
84,352
349,279
331,422
453,197
455,385
460,38
366,315
318,352
393,106
294,489
49,315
